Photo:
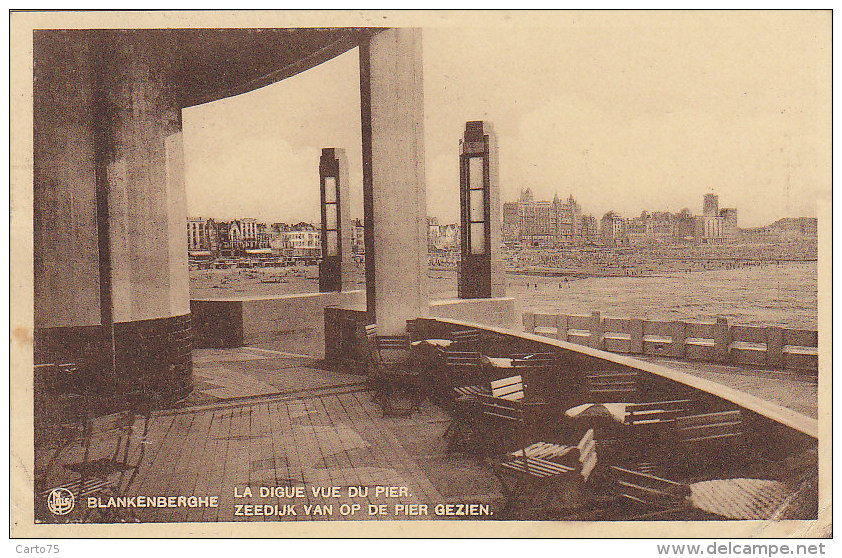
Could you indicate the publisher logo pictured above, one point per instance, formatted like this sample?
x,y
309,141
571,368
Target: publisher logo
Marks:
x,y
60,501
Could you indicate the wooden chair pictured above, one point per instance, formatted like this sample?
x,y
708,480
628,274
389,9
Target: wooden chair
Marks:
x,y
656,413
371,354
582,456
417,336
58,414
702,440
535,362
495,344
396,372
642,434
539,476
547,376
465,380
112,447
653,497
54,385
466,339
612,386
511,388
465,372
540,371
413,329
536,359
464,422
428,357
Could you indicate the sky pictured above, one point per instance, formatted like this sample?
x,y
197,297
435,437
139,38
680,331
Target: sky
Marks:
x,y
625,111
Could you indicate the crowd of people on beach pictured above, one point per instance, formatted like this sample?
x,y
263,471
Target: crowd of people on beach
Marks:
x,y
653,260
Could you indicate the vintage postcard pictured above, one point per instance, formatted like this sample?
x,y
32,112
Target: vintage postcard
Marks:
x,y
431,274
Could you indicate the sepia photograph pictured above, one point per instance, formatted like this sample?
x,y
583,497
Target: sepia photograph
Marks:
x,y
538,273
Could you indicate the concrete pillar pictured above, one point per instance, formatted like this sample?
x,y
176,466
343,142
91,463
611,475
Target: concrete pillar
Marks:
x,y
636,336
678,336
498,264
596,340
399,188
368,187
721,340
774,346
147,204
481,271
147,216
67,293
561,327
122,144
529,322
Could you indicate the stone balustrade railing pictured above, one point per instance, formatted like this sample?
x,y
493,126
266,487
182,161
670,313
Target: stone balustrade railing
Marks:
x,y
770,346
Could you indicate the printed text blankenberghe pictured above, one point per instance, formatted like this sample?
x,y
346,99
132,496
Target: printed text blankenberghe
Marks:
x,y
153,502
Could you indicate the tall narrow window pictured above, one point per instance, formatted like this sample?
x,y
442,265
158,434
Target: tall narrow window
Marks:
x,y
476,205
333,181
330,229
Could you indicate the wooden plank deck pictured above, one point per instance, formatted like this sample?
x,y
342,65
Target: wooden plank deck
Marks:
x,y
335,440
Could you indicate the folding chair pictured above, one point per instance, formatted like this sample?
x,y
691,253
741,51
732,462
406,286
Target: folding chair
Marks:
x,y
112,446
371,354
396,372
612,386
702,440
510,388
652,497
466,380
646,428
465,373
541,476
466,339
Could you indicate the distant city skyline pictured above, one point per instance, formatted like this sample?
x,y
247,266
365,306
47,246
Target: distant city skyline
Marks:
x,y
627,112
441,221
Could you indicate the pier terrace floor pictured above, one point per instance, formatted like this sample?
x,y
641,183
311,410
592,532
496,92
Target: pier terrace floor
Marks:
x,y
269,418
266,418
312,442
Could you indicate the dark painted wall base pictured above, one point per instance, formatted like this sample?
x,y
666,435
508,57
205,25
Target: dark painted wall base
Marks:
x,y
473,276
217,323
330,274
343,333
153,353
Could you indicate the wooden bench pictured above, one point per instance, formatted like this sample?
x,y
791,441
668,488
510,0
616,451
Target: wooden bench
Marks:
x,y
612,386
